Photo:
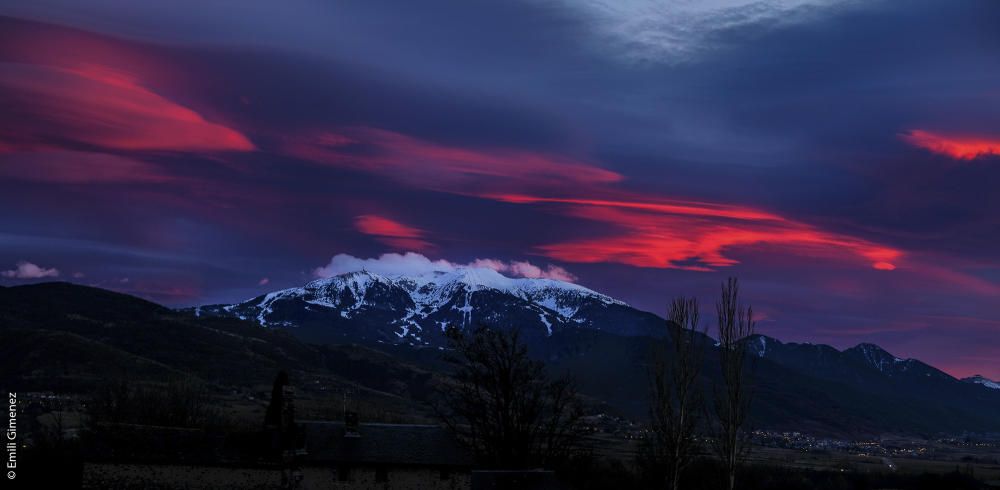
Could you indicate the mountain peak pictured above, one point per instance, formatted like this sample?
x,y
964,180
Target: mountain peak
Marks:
x,y
875,356
414,306
870,347
880,359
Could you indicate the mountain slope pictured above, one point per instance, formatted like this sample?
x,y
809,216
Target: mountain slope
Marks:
x,y
416,309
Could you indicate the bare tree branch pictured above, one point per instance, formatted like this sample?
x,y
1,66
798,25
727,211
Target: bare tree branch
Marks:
x,y
732,399
676,399
503,404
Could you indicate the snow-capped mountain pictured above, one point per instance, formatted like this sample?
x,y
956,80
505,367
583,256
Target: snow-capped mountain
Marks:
x,y
980,380
417,308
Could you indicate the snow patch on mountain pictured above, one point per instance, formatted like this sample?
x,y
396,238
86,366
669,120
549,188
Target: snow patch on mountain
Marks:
x,y
980,380
878,357
762,347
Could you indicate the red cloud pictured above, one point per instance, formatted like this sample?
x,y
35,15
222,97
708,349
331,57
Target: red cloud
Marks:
x,y
957,147
694,235
691,208
104,108
392,232
443,167
652,232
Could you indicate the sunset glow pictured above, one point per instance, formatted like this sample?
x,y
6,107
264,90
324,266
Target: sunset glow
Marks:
x,y
957,147
695,236
143,152
392,232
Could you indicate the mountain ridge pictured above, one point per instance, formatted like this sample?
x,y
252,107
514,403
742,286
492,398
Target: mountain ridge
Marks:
x,y
431,301
864,354
74,336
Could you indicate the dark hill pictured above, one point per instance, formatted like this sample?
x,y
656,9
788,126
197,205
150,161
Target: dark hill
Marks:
x,y
67,338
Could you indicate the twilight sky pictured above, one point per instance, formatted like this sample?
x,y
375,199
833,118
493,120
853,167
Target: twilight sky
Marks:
x,y
841,157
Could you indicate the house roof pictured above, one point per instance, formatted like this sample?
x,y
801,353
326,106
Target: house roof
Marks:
x,y
401,444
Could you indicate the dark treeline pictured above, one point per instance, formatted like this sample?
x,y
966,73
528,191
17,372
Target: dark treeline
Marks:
x,y
180,402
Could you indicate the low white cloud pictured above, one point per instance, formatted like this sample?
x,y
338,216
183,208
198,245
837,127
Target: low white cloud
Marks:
x,y
411,263
27,270
525,269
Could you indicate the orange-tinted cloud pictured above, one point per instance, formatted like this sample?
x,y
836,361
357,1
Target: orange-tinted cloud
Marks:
x,y
957,147
392,232
645,232
101,107
443,167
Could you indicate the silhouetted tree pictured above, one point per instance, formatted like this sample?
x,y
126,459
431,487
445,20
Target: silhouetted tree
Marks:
x,y
676,400
279,421
732,399
181,402
273,416
502,402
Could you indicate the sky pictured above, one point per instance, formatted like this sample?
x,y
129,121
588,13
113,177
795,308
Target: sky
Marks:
x,y
841,157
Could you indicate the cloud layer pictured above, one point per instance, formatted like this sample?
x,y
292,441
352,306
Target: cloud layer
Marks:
x,y
438,166
100,107
411,263
656,31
